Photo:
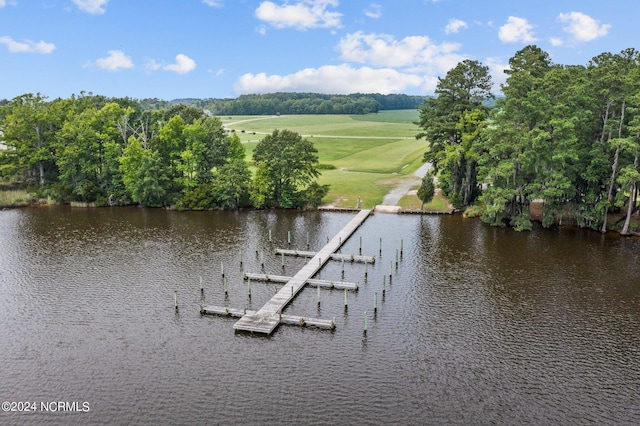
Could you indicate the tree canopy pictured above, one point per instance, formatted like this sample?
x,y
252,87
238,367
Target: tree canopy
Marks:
x,y
110,151
565,136
286,168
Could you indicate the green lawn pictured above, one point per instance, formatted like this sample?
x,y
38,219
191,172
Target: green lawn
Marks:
x,y
369,152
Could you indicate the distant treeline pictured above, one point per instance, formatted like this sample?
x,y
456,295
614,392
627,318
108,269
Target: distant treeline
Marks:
x,y
296,103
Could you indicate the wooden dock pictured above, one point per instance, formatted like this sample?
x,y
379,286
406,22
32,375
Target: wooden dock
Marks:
x,y
284,319
338,285
267,318
334,256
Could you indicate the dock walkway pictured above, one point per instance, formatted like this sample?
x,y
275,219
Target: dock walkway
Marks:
x,y
267,318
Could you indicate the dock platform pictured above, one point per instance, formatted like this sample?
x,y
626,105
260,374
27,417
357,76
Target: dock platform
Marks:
x,y
267,318
338,285
333,256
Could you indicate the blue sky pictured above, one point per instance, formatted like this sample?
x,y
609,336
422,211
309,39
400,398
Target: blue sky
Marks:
x,y
171,49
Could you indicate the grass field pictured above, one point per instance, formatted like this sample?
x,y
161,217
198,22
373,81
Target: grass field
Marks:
x,y
370,153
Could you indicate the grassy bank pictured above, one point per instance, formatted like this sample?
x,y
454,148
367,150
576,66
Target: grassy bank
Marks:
x,y
14,198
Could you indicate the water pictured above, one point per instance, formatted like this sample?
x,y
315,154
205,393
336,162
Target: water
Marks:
x,y
478,326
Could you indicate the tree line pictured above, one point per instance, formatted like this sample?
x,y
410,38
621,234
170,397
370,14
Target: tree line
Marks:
x,y
302,103
567,136
109,151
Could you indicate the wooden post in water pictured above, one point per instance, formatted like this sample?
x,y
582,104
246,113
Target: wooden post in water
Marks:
x,y
282,259
384,284
262,257
318,295
365,322
175,299
249,287
401,244
390,271
396,258
269,235
240,257
224,285
289,237
222,268
345,298
366,268
201,285
375,302
380,246
360,250
307,239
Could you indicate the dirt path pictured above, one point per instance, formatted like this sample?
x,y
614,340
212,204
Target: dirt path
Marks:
x,y
392,198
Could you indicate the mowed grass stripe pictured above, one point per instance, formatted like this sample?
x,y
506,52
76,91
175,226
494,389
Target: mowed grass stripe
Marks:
x,y
325,125
371,153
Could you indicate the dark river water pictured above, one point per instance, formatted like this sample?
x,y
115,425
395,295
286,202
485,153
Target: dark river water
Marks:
x,y
478,326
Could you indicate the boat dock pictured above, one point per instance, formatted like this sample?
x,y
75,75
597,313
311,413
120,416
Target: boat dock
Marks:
x,y
334,256
338,285
267,318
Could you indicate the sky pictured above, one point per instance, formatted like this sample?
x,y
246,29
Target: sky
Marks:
x,y
170,49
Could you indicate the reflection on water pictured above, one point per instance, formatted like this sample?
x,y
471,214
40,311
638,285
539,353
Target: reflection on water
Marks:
x,y
478,325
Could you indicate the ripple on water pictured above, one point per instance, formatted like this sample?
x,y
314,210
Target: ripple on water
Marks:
x,y
478,325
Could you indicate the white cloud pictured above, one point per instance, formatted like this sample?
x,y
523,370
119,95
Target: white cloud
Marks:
x,y
384,50
4,3
556,41
516,30
115,61
27,46
374,11
583,27
261,29
213,3
183,65
216,73
455,25
496,69
331,79
152,65
92,6
302,15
